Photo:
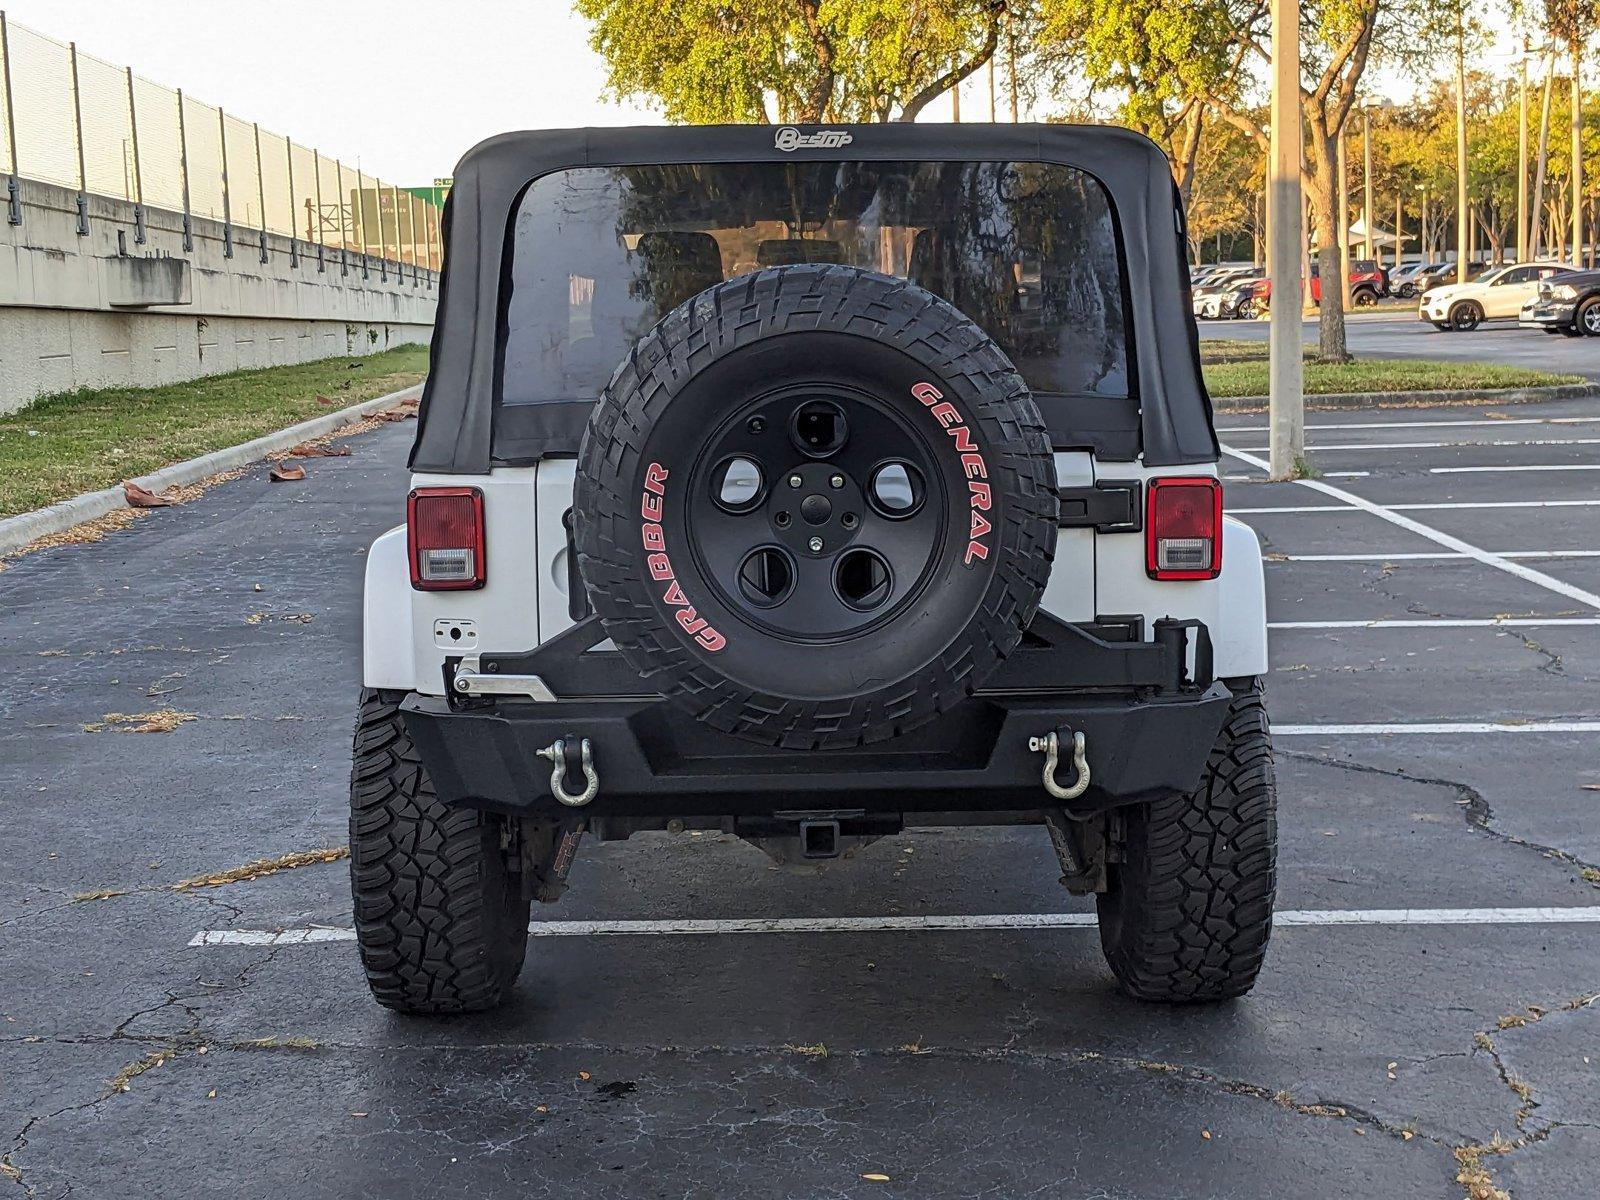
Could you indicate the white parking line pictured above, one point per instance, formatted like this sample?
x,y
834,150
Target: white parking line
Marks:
x,y
1431,445
1341,508
1449,542
1437,727
1419,424
1412,556
1524,467
1309,917
1437,623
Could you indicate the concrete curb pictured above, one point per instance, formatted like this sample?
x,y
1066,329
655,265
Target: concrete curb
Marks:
x,y
1336,400
16,532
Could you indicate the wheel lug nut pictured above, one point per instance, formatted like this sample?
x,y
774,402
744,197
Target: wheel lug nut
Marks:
x,y
848,520
757,425
795,481
815,544
836,481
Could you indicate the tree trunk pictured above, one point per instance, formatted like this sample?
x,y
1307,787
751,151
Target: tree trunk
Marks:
x,y
819,97
1534,240
1331,343
959,71
1188,151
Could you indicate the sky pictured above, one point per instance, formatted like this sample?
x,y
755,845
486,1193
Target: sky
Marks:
x,y
403,87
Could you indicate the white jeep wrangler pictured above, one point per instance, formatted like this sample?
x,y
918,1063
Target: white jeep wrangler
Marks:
x,y
807,484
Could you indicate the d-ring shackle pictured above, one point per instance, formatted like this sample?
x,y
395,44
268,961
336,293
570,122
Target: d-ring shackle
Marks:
x,y
1050,744
556,752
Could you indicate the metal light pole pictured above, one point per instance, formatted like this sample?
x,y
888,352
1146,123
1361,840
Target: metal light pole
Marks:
x,y
1576,151
1463,229
1522,154
1366,204
1399,233
1286,245
1343,206
1536,213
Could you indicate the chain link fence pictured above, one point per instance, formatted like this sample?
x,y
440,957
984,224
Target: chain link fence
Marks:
x,y
79,122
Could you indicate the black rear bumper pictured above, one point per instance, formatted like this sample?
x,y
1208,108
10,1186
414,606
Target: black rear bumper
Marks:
x,y
656,762
1149,727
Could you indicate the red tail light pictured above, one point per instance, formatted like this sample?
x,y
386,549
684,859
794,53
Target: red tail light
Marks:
x,y
444,538
1183,528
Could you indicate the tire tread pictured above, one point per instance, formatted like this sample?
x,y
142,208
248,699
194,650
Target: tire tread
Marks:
x,y
440,923
1189,912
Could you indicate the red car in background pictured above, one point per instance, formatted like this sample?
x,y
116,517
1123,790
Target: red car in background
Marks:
x,y
1369,283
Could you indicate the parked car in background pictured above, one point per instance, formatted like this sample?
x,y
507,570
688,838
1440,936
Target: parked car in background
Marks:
x,y
1403,279
1568,304
1239,299
1443,273
1495,295
1207,298
1369,283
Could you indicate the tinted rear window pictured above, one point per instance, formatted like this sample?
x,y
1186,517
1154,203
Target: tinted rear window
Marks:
x,y
1028,250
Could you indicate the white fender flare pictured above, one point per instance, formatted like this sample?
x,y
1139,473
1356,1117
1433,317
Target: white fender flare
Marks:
x,y
1240,638
388,637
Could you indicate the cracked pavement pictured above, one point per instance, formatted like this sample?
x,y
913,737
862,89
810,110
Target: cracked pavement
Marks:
x,y
1370,1061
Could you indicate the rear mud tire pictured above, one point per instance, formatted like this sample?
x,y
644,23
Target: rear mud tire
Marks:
x,y
441,920
1188,911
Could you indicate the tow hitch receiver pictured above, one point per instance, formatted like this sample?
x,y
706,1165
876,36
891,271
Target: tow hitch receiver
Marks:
x,y
819,839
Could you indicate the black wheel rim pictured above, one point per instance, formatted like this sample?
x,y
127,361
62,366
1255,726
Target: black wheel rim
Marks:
x,y
844,527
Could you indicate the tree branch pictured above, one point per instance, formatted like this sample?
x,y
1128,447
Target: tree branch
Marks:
x,y
954,76
817,97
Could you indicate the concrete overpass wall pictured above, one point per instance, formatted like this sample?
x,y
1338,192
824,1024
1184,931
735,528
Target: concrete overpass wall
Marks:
x,y
102,309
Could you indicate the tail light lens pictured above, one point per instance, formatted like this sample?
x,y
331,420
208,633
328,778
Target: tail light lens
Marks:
x,y
444,538
1183,528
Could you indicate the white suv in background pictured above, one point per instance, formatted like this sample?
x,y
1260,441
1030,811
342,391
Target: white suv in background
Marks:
x,y
1497,294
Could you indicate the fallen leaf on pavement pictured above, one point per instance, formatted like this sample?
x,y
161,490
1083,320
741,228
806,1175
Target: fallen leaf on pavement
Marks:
x,y
876,1177
162,721
262,866
1591,787
312,450
287,473
138,497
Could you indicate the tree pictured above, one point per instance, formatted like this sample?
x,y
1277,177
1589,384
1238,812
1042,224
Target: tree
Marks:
x,y
1226,182
1162,57
1216,50
1571,23
710,61
1339,39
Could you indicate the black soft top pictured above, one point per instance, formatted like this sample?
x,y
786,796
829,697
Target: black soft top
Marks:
x,y
455,431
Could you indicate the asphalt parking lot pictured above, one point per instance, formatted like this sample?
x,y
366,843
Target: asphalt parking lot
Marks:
x,y
1426,1002
1402,335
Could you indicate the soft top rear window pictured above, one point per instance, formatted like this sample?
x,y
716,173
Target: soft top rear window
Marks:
x,y
1029,250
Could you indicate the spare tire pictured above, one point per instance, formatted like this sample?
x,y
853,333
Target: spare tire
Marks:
x,y
816,506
